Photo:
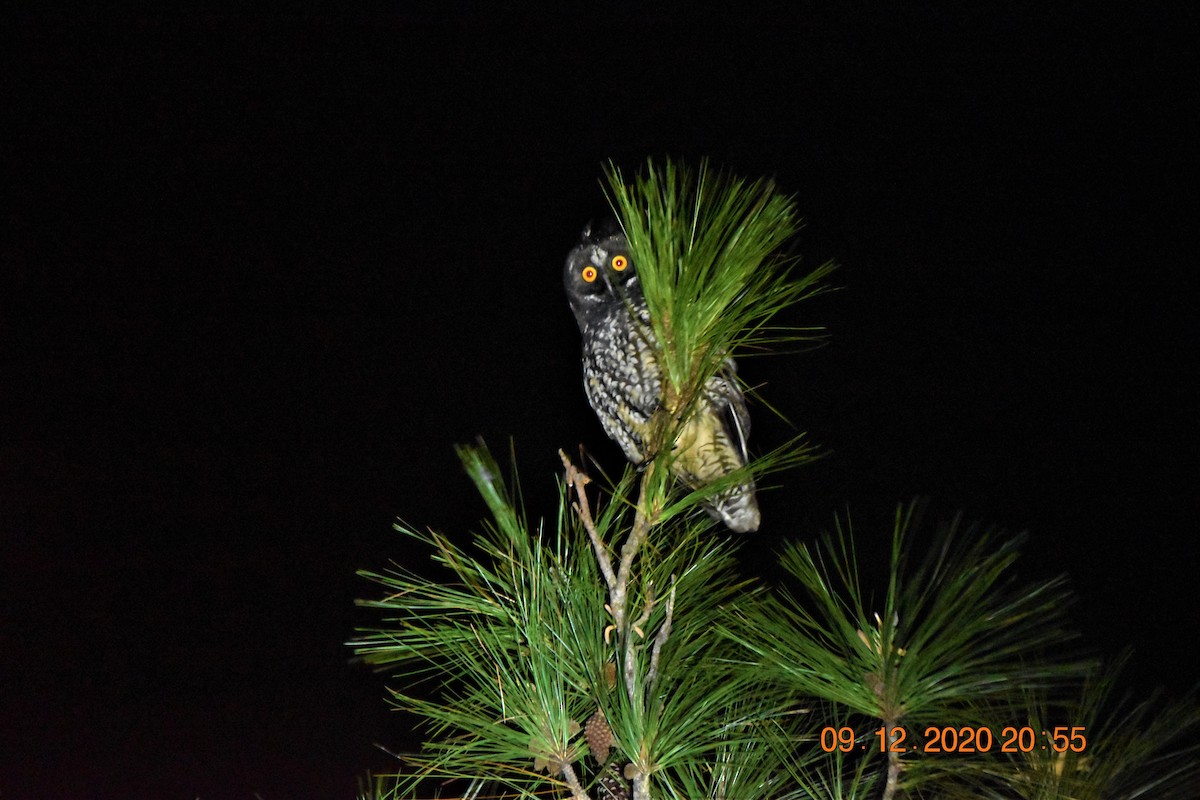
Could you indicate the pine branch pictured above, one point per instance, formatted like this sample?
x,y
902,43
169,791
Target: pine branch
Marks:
x,y
578,481
971,642
660,638
643,520
568,773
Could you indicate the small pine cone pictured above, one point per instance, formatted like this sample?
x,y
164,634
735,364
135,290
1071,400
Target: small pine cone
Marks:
x,y
599,736
612,787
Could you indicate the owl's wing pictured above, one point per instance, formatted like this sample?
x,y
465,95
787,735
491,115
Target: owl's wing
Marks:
x,y
737,416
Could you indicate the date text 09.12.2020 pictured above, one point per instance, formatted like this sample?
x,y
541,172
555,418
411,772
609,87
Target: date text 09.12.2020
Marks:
x,y
937,739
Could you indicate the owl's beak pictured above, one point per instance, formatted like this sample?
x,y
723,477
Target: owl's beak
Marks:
x,y
611,289
614,290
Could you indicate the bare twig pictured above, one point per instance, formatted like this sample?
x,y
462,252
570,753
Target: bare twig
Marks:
x,y
893,776
618,592
629,550
578,480
630,644
660,638
894,765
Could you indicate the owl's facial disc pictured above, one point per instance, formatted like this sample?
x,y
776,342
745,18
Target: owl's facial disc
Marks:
x,y
598,275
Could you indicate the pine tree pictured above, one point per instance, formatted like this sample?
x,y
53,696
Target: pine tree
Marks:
x,y
615,651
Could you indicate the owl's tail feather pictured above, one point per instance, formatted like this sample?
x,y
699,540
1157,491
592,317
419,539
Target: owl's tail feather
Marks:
x,y
737,508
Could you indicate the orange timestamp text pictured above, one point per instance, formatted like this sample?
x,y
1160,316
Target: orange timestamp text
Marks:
x,y
965,739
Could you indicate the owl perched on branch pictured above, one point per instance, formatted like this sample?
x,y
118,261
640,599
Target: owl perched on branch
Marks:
x,y
624,385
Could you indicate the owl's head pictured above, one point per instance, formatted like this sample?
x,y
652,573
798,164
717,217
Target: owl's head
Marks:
x,y
598,273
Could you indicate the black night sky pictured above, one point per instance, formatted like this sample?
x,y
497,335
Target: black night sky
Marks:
x,y
262,273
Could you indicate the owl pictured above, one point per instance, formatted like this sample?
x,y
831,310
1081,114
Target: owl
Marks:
x,y
623,379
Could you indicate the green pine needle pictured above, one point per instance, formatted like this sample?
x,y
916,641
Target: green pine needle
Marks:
x,y
713,686
1126,749
506,658
950,642
706,248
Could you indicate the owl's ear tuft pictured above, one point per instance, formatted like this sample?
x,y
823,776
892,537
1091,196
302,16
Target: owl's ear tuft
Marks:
x,y
597,231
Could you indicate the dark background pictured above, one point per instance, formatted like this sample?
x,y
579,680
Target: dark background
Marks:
x,y
262,272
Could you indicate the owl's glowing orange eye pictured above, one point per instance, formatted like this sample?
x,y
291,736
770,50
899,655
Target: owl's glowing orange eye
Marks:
x,y
619,263
589,274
